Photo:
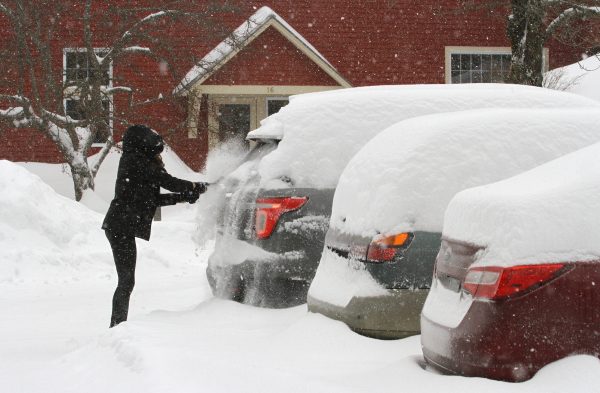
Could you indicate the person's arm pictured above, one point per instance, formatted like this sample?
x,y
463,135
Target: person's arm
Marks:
x,y
168,182
171,199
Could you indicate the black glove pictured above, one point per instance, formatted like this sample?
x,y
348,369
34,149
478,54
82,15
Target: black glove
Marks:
x,y
200,187
192,196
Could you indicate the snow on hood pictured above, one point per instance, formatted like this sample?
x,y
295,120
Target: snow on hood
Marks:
x,y
581,78
320,132
548,214
403,179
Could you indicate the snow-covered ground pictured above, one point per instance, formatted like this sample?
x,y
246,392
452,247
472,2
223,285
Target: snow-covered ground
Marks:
x,y
56,284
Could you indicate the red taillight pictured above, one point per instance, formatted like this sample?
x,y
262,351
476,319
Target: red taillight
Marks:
x,y
268,211
384,248
496,282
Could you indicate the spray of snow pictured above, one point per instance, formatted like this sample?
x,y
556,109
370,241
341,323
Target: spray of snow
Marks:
x,y
220,164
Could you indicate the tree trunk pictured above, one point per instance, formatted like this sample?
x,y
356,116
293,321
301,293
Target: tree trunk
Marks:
x,y
82,178
527,36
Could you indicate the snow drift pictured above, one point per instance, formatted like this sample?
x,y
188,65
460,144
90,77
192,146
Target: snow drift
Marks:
x,y
39,228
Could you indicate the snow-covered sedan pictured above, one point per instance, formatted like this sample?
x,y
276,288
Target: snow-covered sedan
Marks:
x,y
517,280
270,237
388,210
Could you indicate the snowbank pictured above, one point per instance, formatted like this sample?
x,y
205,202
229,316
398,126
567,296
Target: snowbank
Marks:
x,y
403,179
581,78
58,176
548,214
40,229
322,131
47,238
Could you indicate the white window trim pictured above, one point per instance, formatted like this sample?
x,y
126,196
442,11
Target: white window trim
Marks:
x,y
73,90
484,50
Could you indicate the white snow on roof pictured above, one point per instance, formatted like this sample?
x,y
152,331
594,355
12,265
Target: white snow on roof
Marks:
x,y
405,177
582,77
548,214
320,132
240,37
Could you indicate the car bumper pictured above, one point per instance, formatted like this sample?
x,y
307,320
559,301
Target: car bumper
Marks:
x,y
266,279
511,340
391,316
478,349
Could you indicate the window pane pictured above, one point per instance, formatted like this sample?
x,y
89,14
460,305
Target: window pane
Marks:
x,y
496,65
455,76
274,105
234,122
506,62
476,62
465,77
476,75
71,60
74,110
455,62
486,62
465,62
486,76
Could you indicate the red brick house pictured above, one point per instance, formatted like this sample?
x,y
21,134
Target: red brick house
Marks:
x,y
287,47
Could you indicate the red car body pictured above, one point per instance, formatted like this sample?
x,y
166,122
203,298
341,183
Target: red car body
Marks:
x,y
544,312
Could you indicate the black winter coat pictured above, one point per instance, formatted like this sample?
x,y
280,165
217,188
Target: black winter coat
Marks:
x,y
139,179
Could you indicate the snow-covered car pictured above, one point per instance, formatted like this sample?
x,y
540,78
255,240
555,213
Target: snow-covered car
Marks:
x,y
517,280
388,209
270,237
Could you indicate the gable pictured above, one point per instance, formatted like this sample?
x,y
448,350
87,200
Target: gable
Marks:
x,y
271,59
262,20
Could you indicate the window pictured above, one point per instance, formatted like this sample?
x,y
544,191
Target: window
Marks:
x,y
479,65
274,104
231,117
478,68
77,66
77,70
234,122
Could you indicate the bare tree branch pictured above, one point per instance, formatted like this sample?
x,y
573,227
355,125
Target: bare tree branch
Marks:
x,y
102,155
121,43
571,14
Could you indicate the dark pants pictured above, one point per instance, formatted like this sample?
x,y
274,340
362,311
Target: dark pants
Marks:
x,y
124,253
